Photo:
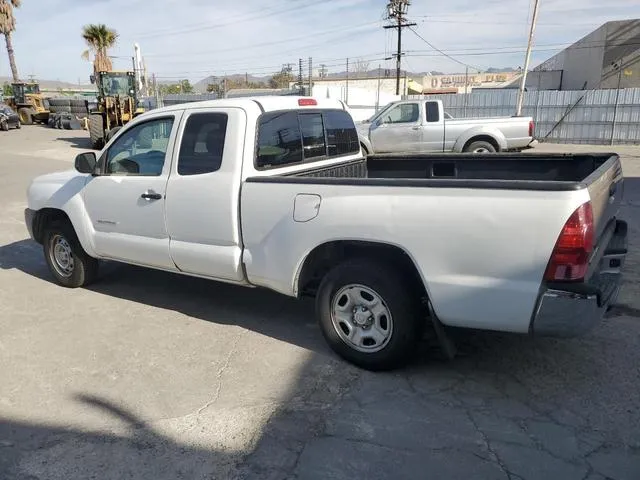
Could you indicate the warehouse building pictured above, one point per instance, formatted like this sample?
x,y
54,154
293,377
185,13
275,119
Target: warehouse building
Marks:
x,y
606,58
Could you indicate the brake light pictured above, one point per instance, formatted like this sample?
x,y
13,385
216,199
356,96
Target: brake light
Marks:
x,y
307,102
531,128
570,258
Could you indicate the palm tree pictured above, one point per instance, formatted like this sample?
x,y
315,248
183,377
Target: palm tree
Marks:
x,y
100,39
8,25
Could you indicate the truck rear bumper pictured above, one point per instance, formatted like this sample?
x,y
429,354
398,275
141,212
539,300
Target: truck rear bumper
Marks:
x,y
573,310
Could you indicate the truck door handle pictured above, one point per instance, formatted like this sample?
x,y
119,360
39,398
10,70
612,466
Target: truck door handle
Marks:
x,y
151,196
416,128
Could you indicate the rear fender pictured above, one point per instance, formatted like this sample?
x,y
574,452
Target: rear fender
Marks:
x,y
480,131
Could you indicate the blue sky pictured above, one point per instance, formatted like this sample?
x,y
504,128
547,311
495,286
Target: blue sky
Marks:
x,y
195,38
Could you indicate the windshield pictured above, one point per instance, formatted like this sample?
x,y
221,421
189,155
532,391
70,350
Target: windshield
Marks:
x,y
120,85
378,114
32,88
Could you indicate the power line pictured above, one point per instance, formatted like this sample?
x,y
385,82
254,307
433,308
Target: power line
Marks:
x,y
255,16
443,53
163,31
266,44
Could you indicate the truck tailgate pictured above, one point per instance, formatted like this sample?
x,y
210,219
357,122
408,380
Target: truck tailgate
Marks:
x,y
605,186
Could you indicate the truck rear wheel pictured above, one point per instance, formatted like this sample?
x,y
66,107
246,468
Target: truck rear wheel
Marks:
x,y
480,147
68,262
96,131
368,315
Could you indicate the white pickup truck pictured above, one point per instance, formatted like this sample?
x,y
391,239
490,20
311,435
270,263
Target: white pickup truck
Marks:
x,y
274,192
421,126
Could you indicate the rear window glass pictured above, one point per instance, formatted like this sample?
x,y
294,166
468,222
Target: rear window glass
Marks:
x,y
313,135
279,140
202,144
433,112
342,137
287,138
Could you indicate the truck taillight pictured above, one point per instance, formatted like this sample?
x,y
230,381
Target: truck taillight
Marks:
x,y
531,128
307,102
570,258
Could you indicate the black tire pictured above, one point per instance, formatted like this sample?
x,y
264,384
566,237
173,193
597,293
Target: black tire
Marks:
x,y
480,147
405,325
82,270
96,131
4,126
18,126
26,115
112,133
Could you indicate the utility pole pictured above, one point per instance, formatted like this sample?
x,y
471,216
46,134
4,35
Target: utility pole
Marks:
x,y
155,90
615,107
300,84
397,10
378,92
346,100
523,80
310,76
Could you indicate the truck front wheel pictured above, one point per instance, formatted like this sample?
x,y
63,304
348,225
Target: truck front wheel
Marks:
x,y
368,315
68,262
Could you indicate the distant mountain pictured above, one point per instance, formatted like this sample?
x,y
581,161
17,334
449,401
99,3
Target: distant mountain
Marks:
x,y
201,86
48,84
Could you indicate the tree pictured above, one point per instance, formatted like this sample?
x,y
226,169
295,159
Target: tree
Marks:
x,y
7,26
100,39
183,86
7,89
282,79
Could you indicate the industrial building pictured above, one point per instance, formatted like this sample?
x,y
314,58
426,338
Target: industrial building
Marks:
x,y
609,57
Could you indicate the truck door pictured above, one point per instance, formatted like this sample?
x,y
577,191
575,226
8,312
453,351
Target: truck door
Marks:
x,y
433,129
203,194
126,202
398,130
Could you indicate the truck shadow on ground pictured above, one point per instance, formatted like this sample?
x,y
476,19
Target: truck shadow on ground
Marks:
x,y
82,143
500,389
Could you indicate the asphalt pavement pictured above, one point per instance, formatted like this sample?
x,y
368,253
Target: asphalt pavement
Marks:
x,y
149,375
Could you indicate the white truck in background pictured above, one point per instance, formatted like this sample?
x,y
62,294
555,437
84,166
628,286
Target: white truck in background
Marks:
x,y
274,192
422,126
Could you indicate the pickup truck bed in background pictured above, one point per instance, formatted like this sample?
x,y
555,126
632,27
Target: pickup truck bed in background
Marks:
x,y
422,126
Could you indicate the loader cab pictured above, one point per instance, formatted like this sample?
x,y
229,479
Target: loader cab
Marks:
x,y
22,91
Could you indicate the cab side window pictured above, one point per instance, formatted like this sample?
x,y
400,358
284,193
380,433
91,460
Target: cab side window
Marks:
x,y
433,112
403,113
202,144
140,151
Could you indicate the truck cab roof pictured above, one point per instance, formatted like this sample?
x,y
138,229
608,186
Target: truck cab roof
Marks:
x,y
264,103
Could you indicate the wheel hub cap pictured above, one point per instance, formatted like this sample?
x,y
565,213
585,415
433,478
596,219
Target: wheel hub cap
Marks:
x,y
62,256
361,318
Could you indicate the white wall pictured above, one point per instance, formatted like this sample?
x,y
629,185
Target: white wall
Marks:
x,y
361,101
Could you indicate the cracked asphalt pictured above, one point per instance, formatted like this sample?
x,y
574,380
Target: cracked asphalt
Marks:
x,y
148,375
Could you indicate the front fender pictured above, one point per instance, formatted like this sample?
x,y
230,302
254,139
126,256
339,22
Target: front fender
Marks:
x,y
366,145
63,192
480,131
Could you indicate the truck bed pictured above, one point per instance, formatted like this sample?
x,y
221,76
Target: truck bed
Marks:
x,y
556,172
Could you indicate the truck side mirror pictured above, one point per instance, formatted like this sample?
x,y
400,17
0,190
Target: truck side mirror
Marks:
x,y
86,162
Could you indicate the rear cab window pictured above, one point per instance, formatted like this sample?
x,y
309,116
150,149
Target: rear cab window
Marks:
x,y
299,137
202,144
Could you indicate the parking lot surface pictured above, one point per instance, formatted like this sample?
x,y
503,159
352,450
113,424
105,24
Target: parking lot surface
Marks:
x,y
149,375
